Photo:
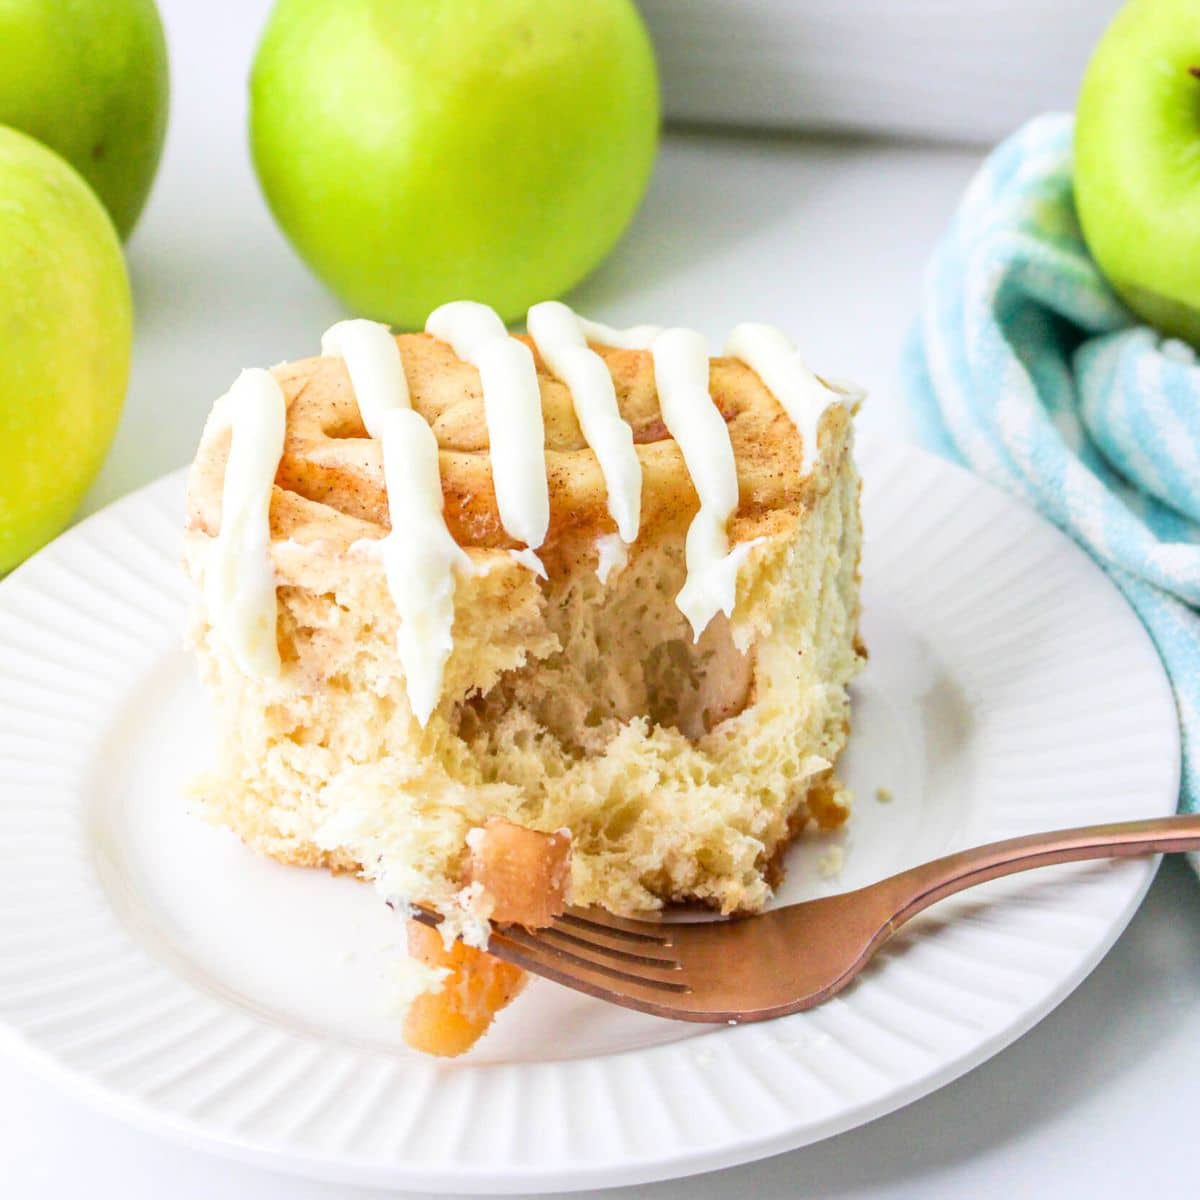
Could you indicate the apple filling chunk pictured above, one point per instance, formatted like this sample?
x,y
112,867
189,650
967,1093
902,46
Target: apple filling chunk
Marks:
x,y
523,876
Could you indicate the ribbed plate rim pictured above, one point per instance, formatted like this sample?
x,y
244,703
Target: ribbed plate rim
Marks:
x,y
1116,891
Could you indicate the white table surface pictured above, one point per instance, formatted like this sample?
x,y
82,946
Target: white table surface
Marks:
x,y
827,239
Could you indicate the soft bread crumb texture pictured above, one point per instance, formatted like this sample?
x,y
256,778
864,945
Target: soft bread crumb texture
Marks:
x,y
678,769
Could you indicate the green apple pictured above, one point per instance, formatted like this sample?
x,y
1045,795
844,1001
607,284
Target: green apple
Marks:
x,y
89,78
417,151
66,332
1137,161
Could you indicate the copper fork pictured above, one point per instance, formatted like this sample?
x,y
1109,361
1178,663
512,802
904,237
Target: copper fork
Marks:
x,y
792,958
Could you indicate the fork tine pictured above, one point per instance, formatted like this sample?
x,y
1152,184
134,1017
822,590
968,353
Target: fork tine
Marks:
x,y
596,920
532,951
597,947
418,912
589,923
578,951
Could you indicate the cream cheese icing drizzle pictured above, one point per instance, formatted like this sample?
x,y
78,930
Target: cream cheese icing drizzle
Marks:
x,y
636,337
769,353
374,366
694,421
419,555
612,556
561,340
239,580
513,410
699,430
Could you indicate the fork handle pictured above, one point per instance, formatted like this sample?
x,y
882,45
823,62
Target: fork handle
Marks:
x,y
915,890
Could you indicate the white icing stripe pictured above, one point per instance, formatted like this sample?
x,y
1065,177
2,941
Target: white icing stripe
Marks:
x,y
419,555
374,365
239,580
694,421
769,353
637,337
513,409
612,555
561,341
530,561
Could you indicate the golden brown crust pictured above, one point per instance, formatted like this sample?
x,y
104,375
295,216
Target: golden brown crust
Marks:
x,y
330,487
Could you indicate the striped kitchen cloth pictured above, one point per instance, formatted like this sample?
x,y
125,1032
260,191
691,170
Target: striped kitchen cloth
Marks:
x,y
1025,366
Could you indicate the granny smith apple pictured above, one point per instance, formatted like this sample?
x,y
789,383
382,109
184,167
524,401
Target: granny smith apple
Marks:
x,y
417,152
66,332
89,78
1137,161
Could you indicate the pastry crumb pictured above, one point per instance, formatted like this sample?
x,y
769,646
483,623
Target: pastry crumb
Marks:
x,y
884,795
831,862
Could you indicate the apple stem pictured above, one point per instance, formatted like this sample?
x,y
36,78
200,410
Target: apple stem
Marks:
x,y
1194,71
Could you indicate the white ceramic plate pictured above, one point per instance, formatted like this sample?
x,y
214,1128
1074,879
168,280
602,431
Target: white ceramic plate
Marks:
x,y
168,975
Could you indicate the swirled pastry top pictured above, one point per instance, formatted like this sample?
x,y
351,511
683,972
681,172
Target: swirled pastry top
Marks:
x,y
330,486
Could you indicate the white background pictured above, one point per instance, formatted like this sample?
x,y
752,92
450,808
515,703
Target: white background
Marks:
x,y
827,239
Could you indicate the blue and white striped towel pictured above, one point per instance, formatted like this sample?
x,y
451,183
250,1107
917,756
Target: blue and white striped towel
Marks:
x,y
1026,366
